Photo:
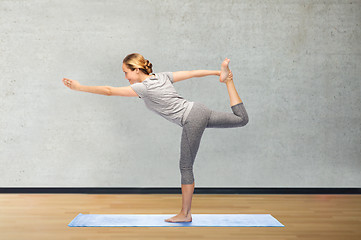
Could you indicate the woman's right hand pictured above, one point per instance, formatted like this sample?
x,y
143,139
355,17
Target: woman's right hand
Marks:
x,y
72,84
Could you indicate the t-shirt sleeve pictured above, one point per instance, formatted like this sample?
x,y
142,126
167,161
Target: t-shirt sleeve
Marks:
x,y
170,76
140,89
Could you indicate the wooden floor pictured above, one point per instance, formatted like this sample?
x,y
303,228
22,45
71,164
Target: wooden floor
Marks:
x,y
46,216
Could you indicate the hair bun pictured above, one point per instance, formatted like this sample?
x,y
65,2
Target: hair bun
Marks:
x,y
148,66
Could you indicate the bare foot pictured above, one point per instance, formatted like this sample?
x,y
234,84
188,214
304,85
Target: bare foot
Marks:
x,y
181,217
224,70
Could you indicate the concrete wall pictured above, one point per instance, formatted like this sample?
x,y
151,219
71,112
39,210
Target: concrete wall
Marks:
x,y
296,66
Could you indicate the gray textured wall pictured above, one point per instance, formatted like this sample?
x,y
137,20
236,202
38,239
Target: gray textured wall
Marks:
x,y
296,66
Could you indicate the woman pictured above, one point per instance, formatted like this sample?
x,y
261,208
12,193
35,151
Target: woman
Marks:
x,y
159,95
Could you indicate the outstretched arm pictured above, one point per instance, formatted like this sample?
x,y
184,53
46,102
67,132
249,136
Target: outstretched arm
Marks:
x,y
103,90
183,75
75,85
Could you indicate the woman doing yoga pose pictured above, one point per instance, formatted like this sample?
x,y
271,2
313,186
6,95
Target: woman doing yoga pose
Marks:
x,y
160,96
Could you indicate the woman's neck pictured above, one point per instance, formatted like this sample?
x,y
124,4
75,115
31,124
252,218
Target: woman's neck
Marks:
x,y
143,77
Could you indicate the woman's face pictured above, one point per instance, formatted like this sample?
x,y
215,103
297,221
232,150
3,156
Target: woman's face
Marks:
x,y
132,76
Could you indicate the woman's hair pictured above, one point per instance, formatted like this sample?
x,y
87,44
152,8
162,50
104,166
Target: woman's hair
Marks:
x,y
136,60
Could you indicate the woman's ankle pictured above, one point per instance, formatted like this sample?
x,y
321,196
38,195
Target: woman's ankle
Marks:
x,y
230,81
186,212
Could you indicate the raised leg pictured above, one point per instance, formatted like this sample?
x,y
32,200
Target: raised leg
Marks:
x,y
227,78
239,117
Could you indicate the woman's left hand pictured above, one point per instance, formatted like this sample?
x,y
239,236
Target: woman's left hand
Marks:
x,y
72,84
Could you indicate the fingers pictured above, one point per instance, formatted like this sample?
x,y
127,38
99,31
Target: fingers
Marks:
x,y
67,82
230,76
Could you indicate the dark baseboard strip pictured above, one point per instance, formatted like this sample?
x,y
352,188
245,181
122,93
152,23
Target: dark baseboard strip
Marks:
x,y
199,190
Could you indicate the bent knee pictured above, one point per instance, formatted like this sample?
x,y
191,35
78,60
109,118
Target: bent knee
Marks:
x,y
243,122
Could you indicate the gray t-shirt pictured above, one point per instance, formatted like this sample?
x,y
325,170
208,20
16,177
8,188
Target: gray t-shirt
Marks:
x,y
160,96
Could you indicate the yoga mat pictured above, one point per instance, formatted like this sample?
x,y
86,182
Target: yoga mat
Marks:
x,y
157,220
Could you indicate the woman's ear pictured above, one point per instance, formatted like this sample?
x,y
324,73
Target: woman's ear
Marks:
x,y
137,70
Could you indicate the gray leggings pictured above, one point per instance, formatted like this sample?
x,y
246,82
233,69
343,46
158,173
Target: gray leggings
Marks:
x,y
199,118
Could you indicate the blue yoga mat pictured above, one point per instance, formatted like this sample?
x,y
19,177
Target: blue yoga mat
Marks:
x,y
157,220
